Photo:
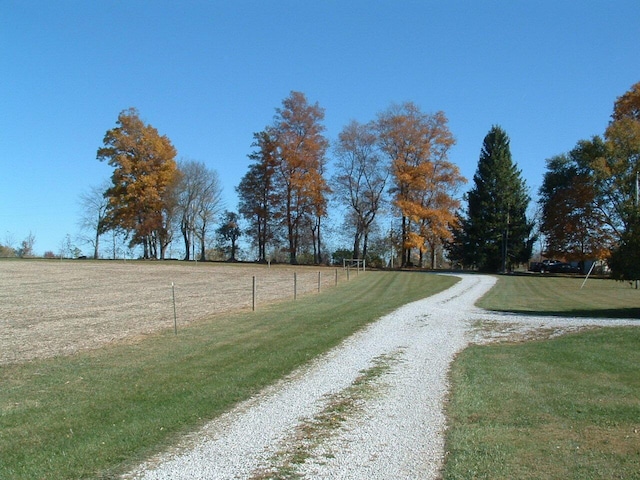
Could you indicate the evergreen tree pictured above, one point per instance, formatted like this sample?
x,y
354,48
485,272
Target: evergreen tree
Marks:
x,y
495,234
256,192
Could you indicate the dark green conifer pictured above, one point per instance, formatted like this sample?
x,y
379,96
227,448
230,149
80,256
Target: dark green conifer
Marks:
x,y
495,234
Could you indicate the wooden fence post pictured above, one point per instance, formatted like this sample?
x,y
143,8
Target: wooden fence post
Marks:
x,y
254,294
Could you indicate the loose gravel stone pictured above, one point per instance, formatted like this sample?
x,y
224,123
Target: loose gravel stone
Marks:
x,y
395,432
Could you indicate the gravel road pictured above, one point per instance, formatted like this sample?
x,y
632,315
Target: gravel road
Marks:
x,y
370,409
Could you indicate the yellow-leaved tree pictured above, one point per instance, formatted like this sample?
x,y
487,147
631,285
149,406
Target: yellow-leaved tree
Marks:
x,y
425,181
299,154
142,197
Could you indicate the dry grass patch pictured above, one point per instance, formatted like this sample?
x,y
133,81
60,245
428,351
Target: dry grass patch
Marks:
x,y
50,308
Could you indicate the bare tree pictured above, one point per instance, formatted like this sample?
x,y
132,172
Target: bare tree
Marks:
x,y
26,246
360,180
93,214
199,200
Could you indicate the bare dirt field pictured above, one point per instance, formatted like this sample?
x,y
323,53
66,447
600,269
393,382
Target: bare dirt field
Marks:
x,y
52,307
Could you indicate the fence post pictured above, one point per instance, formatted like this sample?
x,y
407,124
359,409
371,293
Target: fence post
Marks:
x,y
253,306
295,285
319,282
336,277
175,315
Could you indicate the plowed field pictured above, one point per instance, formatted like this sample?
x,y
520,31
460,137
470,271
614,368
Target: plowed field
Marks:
x,y
52,307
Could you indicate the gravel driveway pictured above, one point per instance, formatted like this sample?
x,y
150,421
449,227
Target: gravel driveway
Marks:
x,y
370,409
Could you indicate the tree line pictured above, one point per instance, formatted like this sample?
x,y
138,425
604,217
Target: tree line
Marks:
x,y
396,163
589,196
152,198
395,166
588,203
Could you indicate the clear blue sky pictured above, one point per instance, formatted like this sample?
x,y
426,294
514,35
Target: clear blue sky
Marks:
x,y
210,73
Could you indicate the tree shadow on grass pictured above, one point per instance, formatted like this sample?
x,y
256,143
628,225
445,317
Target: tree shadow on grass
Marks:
x,y
612,313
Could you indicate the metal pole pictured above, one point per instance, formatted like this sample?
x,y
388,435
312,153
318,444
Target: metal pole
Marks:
x,y
175,316
318,282
587,277
295,285
253,305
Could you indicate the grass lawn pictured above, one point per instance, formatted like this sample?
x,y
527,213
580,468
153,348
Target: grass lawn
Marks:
x,y
93,415
567,407
550,295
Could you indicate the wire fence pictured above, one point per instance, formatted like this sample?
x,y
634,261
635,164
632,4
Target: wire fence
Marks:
x,y
58,307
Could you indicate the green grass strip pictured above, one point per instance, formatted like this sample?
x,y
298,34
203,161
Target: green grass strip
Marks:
x,y
95,414
549,295
563,408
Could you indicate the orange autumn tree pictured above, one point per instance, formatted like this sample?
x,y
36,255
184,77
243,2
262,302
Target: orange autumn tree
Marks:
x,y
425,181
301,188
622,166
590,196
142,197
437,206
574,228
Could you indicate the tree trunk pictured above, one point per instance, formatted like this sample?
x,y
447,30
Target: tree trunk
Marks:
x,y
433,255
291,230
319,242
186,235
293,243
406,254
365,241
261,241
96,246
356,245
203,233
203,252
233,250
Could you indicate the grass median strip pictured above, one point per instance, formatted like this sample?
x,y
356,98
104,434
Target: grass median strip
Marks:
x,y
313,432
96,413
